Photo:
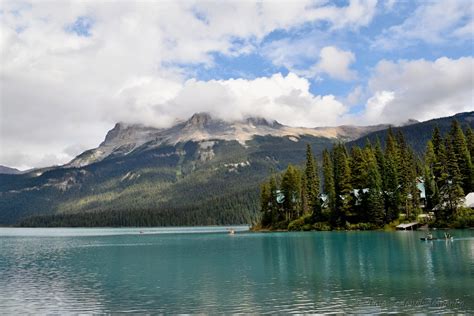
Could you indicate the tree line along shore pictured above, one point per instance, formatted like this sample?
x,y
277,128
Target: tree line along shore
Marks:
x,y
374,187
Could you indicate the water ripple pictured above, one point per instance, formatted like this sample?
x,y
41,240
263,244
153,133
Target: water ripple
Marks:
x,y
253,273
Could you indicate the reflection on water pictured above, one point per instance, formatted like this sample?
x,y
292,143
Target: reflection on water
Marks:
x,y
364,272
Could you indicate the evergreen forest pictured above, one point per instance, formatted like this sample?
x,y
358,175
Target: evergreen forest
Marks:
x,y
375,186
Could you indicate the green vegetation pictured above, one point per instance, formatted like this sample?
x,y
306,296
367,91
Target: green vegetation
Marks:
x,y
174,185
370,186
145,187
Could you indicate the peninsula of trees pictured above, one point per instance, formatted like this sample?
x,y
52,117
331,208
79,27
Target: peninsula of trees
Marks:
x,y
374,187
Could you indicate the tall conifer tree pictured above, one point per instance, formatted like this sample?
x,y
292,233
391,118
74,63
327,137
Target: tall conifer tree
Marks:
x,y
431,188
290,186
392,184
274,206
463,156
358,164
380,159
312,184
328,184
343,188
373,198
470,141
265,204
451,192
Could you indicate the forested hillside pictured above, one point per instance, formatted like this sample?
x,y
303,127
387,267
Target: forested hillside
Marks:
x,y
204,182
195,183
371,186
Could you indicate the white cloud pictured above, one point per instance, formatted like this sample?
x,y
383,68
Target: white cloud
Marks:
x,y
61,91
296,55
284,98
358,13
433,22
420,89
59,87
335,63
355,96
376,105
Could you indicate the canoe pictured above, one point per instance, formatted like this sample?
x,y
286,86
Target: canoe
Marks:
x,y
434,238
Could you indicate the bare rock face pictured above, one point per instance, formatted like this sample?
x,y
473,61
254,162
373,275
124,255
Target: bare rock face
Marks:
x,y
125,138
200,120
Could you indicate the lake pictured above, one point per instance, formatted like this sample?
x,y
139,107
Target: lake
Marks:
x,y
205,270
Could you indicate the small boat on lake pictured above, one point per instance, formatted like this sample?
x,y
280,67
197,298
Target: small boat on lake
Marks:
x,y
429,237
231,231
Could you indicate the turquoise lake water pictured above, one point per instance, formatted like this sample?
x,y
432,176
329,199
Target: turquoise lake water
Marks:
x,y
205,270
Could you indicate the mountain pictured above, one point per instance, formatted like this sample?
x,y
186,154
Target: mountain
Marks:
x,y
8,170
124,138
200,171
418,134
203,171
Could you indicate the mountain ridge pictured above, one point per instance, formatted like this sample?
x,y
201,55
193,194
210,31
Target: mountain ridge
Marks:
x,y
193,182
9,170
125,138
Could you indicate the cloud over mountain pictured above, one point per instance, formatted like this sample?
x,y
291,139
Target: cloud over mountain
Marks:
x,y
71,69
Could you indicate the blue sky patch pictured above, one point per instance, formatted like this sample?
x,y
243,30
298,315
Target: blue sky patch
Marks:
x,y
81,27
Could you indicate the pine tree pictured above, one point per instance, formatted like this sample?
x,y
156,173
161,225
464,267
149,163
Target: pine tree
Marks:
x,y
414,172
407,170
359,178
312,184
265,204
328,185
274,206
463,156
379,155
305,208
358,164
373,198
431,188
392,145
451,192
391,179
342,180
440,156
470,141
437,141
291,187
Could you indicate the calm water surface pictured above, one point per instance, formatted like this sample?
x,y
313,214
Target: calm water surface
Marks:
x,y
204,270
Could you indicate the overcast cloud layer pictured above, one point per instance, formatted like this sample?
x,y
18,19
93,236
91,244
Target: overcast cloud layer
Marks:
x,y
70,69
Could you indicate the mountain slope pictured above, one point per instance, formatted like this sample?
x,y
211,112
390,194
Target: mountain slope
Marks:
x,y
418,134
8,170
124,138
199,172
182,176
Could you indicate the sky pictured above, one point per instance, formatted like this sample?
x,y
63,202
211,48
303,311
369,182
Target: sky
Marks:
x,y
69,70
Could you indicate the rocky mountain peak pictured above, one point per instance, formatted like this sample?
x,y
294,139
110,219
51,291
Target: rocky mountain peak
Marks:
x,y
125,138
123,132
201,119
113,133
260,121
206,120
